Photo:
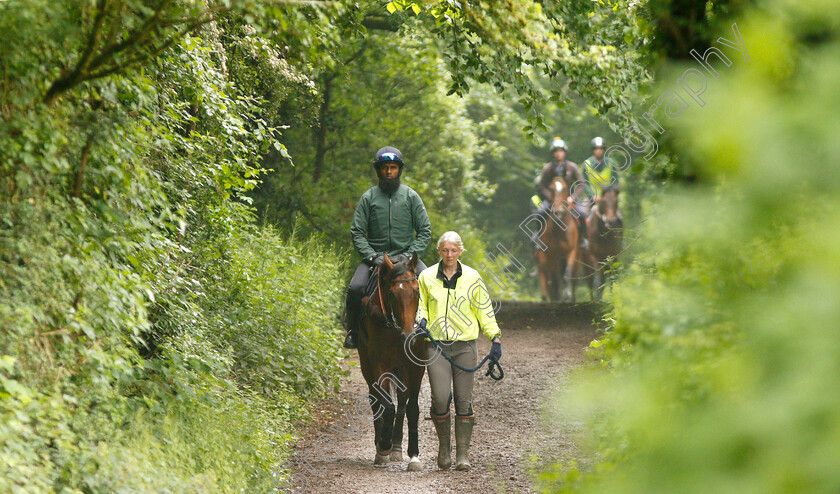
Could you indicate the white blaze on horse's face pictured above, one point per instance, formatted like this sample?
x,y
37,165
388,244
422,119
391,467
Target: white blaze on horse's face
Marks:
x,y
558,186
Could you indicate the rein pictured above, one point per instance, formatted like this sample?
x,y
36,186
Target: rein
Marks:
x,y
490,368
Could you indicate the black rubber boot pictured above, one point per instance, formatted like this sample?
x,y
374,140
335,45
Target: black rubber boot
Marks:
x,y
443,426
463,434
351,321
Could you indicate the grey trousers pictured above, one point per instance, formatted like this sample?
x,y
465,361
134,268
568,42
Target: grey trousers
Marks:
x,y
444,377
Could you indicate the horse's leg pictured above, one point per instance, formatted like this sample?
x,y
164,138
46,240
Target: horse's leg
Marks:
x,y
376,404
598,281
369,373
396,450
560,280
554,279
413,412
543,284
385,444
568,286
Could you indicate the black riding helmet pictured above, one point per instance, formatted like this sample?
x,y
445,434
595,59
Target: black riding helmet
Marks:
x,y
388,154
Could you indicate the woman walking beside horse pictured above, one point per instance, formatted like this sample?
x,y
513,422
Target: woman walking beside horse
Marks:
x,y
454,297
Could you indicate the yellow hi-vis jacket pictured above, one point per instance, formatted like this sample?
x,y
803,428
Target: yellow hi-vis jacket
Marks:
x,y
456,314
598,179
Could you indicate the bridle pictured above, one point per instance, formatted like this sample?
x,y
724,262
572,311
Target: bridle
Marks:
x,y
568,199
390,317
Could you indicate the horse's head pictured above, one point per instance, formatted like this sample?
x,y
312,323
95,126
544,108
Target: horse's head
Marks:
x,y
608,208
559,190
401,293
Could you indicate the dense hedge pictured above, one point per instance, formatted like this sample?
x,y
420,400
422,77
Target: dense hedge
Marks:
x,y
209,410
153,338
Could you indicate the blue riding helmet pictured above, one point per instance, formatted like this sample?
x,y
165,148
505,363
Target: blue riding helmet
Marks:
x,y
388,154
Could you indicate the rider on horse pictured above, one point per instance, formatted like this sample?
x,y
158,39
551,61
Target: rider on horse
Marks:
x,y
390,218
559,166
599,173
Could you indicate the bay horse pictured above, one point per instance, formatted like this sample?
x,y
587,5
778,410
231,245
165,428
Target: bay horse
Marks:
x,y
604,234
557,263
387,321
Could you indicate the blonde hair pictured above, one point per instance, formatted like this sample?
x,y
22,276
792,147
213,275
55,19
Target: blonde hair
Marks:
x,y
452,237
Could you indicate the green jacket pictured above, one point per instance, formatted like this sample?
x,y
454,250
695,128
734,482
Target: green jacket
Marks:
x,y
384,223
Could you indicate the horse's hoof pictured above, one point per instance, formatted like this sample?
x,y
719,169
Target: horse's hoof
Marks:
x,y
396,455
463,467
415,465
381,459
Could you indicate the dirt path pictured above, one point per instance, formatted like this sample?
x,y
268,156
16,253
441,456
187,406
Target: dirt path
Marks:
x,y
541,345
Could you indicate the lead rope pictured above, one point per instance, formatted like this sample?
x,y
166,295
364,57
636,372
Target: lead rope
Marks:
x,y
494,363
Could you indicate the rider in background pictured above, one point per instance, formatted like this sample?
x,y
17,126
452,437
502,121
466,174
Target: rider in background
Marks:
x,y
598,172
559,166
456,301
390,218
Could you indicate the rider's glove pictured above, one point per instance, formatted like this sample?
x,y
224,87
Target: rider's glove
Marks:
x,y
405,256
496,351
545,206
375,260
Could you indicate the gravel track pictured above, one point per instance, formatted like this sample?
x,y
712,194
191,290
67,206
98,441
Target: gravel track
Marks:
x,y
542,344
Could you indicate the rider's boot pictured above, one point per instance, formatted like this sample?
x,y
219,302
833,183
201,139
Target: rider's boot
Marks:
x,y
352,322
352,339
463,433
443,426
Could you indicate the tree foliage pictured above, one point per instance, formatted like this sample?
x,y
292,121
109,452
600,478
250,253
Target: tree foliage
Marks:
x,y
152,336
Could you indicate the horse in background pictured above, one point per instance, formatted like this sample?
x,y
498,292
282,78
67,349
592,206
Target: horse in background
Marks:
x,y
388,320
557,264
604,235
